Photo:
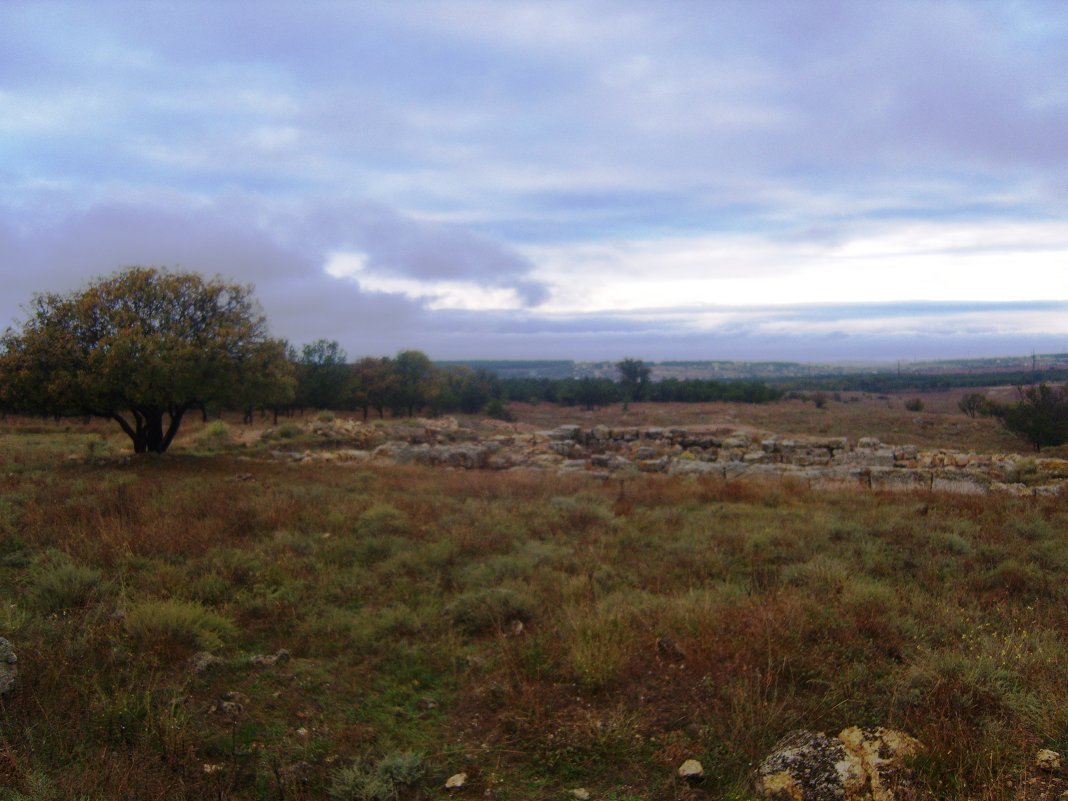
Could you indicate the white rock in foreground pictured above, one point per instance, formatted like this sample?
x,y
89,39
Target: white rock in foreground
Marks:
x,y
691,769
1048,760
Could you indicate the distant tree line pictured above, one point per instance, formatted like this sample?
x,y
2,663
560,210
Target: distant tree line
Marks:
x,y
878,383
404,385
411,384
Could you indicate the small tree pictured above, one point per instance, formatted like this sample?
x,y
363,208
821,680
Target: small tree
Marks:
x,y
633,378
1040,416
140,345
972,404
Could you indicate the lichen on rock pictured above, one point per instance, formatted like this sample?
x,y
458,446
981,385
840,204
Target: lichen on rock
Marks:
x,y
857,765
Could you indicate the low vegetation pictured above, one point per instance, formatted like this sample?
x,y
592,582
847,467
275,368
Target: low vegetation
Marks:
x,y
212,624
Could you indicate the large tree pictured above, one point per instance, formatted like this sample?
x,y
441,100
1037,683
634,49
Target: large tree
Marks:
x,y
415,380
140,346
372,384
322,375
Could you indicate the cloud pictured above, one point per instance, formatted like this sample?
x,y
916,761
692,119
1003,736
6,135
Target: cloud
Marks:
x,y
609,172
396,246
282,252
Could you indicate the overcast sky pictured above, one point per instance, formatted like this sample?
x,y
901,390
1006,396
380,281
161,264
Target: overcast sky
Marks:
x,y
504,179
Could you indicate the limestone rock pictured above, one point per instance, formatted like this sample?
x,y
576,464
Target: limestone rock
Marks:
x,y
8,671
882,753
808,766
270,660
1048,760
204,661
456,781
857,765
691,769
668,649
581,793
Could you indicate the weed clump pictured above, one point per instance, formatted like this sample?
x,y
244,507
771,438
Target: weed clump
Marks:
x,y
214,435
59,583
382,782
177,625
479,611
284,431
599,645
382,519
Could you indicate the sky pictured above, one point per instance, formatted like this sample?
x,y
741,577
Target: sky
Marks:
x,y
503,179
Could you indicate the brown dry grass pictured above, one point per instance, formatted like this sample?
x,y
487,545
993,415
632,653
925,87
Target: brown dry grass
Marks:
x,y
399,593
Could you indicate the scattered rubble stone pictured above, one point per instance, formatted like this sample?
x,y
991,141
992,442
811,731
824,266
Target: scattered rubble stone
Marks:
x,y
269,660
203,661
721,451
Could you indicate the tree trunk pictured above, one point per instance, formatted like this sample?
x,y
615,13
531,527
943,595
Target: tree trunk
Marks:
x,y
154,431
148,434
172,428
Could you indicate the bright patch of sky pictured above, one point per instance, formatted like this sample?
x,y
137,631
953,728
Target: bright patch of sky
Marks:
x,y
587,179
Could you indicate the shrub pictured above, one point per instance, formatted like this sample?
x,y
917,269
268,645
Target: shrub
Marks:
x,y
288,431
177,624
498,411
484,610
598,645
58,583
216,429
210,588
402,767
1040,416
382,519
972,404
357,783
325,417
914,405
383,782
820,399
214,434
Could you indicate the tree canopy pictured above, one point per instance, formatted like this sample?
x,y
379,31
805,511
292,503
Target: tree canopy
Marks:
x,y
142,344
322,375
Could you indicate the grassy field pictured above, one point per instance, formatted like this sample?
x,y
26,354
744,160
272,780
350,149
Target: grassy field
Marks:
x,y
377,629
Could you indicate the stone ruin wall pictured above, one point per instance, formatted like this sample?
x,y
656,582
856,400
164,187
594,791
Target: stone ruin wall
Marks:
x,y
603,452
